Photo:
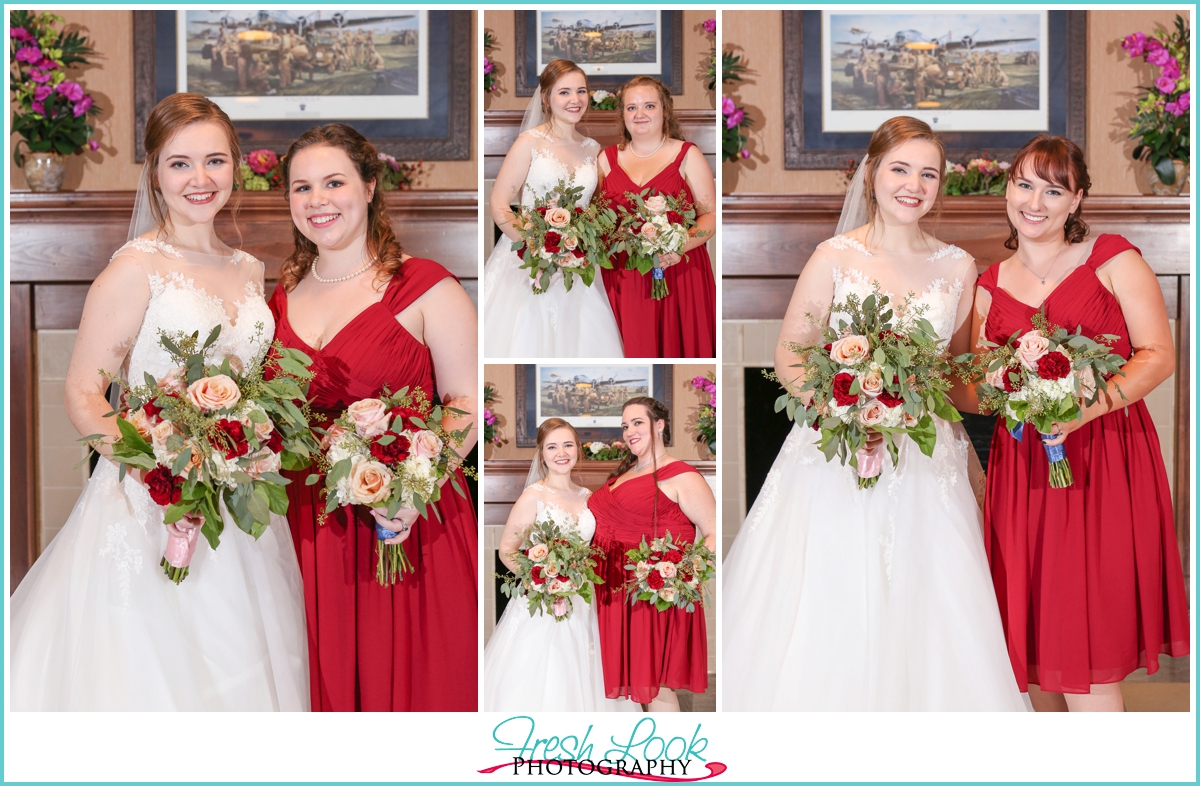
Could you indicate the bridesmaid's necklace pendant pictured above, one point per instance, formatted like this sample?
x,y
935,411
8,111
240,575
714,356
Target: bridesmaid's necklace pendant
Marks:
x,y
339,279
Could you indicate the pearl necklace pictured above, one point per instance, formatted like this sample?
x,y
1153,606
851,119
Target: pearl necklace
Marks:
x,y
339,279
634,153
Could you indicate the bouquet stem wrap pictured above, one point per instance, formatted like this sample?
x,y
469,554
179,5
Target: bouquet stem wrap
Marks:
x,y
658,290
1060,469
181,545
391,561
870,465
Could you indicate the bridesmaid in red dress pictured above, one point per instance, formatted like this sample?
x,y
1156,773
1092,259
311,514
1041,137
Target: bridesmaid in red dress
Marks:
x,y
1088,578
370,316
651,154
647,654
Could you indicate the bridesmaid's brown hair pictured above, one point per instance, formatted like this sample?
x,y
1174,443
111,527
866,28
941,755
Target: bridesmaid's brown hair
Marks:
x,y
543,432
670,123
1057,160
168,118
894,132
657,411
382,244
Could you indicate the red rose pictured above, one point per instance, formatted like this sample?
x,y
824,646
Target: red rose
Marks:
x,y
1054,365
165,489
674,555
891,333
578,252
553,241
536,576
888,400
655,580
1009,385
151,410
841,390
578,211
408,414
274,442
541,211
234,444
674,217
392,453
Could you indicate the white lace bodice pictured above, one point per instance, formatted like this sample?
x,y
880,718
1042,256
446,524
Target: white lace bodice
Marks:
x,y
180,301
583,523
939,297
553,160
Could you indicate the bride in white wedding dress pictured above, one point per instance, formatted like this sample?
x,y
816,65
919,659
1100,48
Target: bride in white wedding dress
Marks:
x,y
557,323
837,598
96,625
536,663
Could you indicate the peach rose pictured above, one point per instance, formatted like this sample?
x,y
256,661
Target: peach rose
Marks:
x,y
235,364
871,383
559,586
849,350
426,444
656,204
558,217
551,571
159,434
667,594
369,417
214,393
911,421
570,242
266,462
332,434
666,569
1087,382
648,231
140,421
642,570
996,378
173,381
369,482
538,552
560,606
1031,348
873,413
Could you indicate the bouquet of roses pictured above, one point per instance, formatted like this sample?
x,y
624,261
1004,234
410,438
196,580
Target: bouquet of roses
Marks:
x,y
605,451
1040,378
390,452
666,574
658,224
557,235
873,372
207,433
554,564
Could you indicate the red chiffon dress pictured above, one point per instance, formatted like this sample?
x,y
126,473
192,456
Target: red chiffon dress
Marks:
x,y
641,647
411,647
1088,578
684,323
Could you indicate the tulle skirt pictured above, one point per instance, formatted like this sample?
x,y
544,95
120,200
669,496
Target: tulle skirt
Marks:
x,y
536,664
96,625
837,598
555,324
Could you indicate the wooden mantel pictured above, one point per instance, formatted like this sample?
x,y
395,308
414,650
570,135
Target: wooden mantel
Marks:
x,y
59,242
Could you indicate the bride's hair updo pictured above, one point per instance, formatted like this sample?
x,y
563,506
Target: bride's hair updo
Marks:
x,y
894,132
168,118
554,71
1058,160
382,245
544,430
670,123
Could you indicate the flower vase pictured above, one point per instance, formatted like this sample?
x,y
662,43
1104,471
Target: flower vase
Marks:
x,y
45,171
1158,188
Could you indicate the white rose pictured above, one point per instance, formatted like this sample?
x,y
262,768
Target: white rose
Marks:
x,y
656,204
642,570
667,594
849,350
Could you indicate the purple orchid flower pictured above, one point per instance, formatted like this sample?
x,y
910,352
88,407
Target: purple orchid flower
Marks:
x,y
727,106
93,144
42,92
72,91
29,54
710,25
1165,85
734,120
83,106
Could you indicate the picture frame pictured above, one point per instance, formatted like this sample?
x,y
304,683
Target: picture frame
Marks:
x,y
669,66
808,146
528,392
444,134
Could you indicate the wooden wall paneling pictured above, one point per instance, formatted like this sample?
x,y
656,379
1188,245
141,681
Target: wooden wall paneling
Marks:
x,y
500,128
22,435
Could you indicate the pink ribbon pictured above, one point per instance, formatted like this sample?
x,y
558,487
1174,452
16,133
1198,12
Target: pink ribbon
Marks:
x,y
870,460
181,541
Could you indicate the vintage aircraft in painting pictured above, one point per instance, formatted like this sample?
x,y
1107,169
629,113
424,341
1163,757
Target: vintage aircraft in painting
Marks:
x,y
280,21
588,26
915,39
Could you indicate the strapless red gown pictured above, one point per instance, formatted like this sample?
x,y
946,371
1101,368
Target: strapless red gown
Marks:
x,y
684,323
641,647
411,647
1088,577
